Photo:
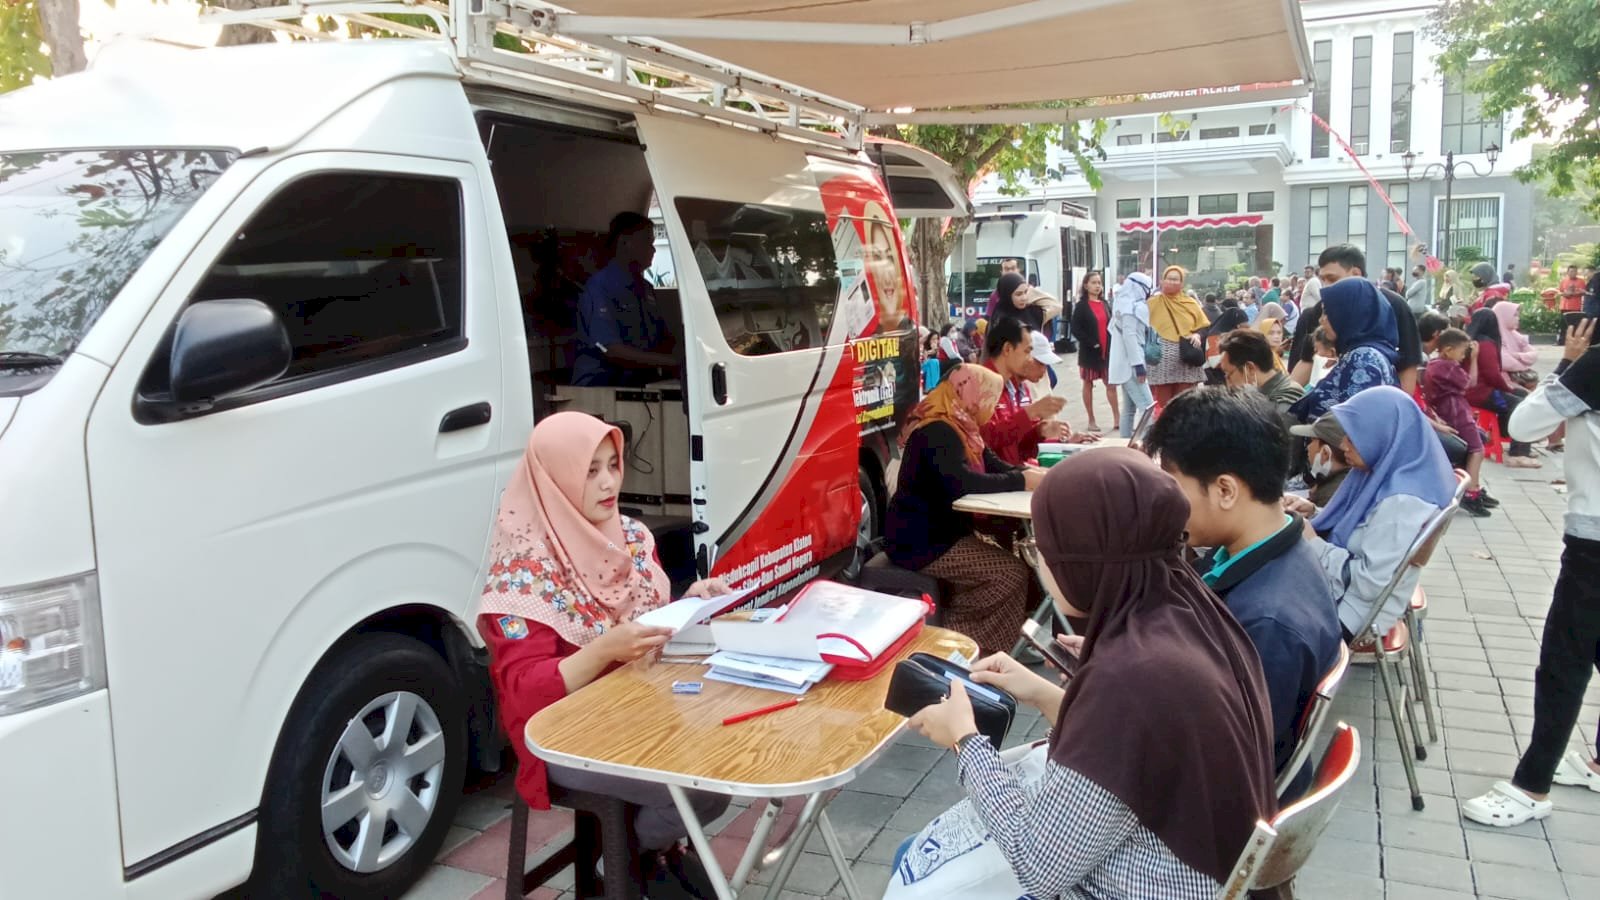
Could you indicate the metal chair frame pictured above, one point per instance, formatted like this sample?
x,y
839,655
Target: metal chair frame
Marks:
x,y
1415,613
1313,718
1277,849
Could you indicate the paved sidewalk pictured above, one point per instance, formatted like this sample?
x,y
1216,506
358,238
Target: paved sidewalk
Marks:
x,y
1488,587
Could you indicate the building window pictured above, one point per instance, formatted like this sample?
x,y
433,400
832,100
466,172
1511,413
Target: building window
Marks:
x,y
1128,209
1129,140
1321,99
1169,137
1259,130
1467,128
1474,222
1318,223
1356,224
1260,201
1209,134
1214,204
1400,196
1172,206
1361,95
1400,94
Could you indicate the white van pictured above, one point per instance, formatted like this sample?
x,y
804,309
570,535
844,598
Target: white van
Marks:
x,y
1056,247
275,322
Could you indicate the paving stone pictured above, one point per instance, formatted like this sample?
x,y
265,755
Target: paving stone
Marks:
x,y
1517,882
1399,890
1401,831
1431,781
1477,762
446,883
1436,807
1351,857
1483,741
889,781
1581,886
1565,825
871,880
1575,858
1512,849
1431,869
1316,883
1354,825
1471,701
913,814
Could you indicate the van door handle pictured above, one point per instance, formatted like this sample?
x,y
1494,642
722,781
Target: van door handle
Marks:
x,y
466,417
719,384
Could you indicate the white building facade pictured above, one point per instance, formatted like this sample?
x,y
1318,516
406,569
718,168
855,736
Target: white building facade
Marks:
x,y
1261,188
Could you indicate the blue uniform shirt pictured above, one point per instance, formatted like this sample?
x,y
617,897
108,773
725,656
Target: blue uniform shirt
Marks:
x,y
616,307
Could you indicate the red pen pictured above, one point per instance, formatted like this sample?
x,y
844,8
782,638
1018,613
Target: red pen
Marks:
x,y
740,717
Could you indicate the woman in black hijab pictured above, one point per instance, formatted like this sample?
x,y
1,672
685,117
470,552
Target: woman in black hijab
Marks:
x,y
1016,303
1160,757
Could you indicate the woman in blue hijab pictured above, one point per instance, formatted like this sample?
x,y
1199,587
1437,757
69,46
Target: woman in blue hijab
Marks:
x,y
1362,327
1399,479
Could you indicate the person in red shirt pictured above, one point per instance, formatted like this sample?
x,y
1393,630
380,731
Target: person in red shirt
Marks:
x,y
569,574
1571,302
1020,422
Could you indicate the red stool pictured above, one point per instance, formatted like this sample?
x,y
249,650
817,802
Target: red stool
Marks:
x,y
1492,447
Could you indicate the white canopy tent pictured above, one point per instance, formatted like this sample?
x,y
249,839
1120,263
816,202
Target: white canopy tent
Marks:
x,y
915,60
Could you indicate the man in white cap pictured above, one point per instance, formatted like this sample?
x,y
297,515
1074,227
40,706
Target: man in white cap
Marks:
x,y
1023,357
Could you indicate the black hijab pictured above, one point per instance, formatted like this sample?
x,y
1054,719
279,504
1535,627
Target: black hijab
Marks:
x,y
1484,326
1004,308
1168,711
1232,317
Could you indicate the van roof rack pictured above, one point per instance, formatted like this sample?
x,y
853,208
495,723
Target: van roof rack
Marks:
x,y
514,44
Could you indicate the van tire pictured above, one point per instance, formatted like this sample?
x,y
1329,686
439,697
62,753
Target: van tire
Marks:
x,y
869,532
293,856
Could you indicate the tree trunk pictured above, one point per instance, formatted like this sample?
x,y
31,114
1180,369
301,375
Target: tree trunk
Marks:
x,y
930,246
58,25
234,35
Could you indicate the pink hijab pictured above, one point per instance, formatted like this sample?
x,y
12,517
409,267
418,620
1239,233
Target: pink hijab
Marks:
x,y
550,564
1516,351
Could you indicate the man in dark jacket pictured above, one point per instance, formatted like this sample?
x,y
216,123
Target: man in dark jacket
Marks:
x,y
1229,451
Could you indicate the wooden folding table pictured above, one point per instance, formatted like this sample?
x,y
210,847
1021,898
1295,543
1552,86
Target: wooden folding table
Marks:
x,y
630,724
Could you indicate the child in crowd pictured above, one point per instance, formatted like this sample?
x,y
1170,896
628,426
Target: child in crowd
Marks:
x,y
1449,375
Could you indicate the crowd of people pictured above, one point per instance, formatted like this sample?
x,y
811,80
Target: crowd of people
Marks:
x,y
1303,437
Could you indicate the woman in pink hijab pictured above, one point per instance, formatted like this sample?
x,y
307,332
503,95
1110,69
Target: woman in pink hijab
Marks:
x,y
1516,351
568,576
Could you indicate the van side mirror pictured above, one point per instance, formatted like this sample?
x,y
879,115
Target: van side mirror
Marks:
x,y
225,347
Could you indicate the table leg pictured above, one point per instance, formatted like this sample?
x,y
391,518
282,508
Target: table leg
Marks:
x,y
796,845
840,861
702,844
758,843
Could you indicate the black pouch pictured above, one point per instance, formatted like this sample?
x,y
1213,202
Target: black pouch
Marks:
x,y
923,679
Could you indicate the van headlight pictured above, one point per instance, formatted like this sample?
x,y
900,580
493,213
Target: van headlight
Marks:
x,y
51,645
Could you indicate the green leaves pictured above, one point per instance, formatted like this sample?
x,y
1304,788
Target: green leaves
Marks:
x,y
1535,61
22,56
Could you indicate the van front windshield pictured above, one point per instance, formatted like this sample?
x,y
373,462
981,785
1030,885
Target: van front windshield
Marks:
x,y
74,227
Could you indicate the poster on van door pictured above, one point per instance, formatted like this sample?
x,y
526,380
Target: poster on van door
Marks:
x,y
875,307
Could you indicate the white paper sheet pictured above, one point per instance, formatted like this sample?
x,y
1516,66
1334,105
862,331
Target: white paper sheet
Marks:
x,y
690,610
789,671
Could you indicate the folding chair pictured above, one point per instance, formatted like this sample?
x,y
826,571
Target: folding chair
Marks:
x,y
1416,611
1277,849
1310,726
1394,648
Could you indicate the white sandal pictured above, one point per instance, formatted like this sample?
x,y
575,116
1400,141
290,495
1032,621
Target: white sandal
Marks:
x,y
1505,806
1574,769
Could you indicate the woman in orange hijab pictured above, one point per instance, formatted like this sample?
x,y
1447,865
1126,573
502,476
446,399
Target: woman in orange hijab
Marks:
x,y
568,576
944,459
1176,317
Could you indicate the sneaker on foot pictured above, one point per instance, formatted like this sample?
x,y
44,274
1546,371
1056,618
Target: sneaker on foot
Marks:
x,y
1523,462
1489,501
1475,507
1505,806
1575,770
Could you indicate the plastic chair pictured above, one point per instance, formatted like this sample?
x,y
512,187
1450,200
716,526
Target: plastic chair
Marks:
x,y
1277,849
600,831
1311,719
1395,647
882,575
1494,445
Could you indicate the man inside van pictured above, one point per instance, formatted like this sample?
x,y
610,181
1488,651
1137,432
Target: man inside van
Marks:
x,y
622,339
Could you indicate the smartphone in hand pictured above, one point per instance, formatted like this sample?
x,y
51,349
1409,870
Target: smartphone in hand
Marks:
x,y
1053,653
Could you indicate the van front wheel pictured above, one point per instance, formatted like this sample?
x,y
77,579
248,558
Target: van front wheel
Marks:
x,y
367,773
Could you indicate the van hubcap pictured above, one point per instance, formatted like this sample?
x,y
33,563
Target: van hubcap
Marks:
x,y
381,784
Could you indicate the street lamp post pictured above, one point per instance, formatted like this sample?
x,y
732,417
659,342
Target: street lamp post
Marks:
x,y
1448,167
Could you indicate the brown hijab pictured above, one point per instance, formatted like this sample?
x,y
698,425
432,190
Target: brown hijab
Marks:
x,y
1168,711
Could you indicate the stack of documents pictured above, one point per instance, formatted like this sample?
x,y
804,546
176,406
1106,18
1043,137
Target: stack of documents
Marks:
x,y
774,673
686,617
